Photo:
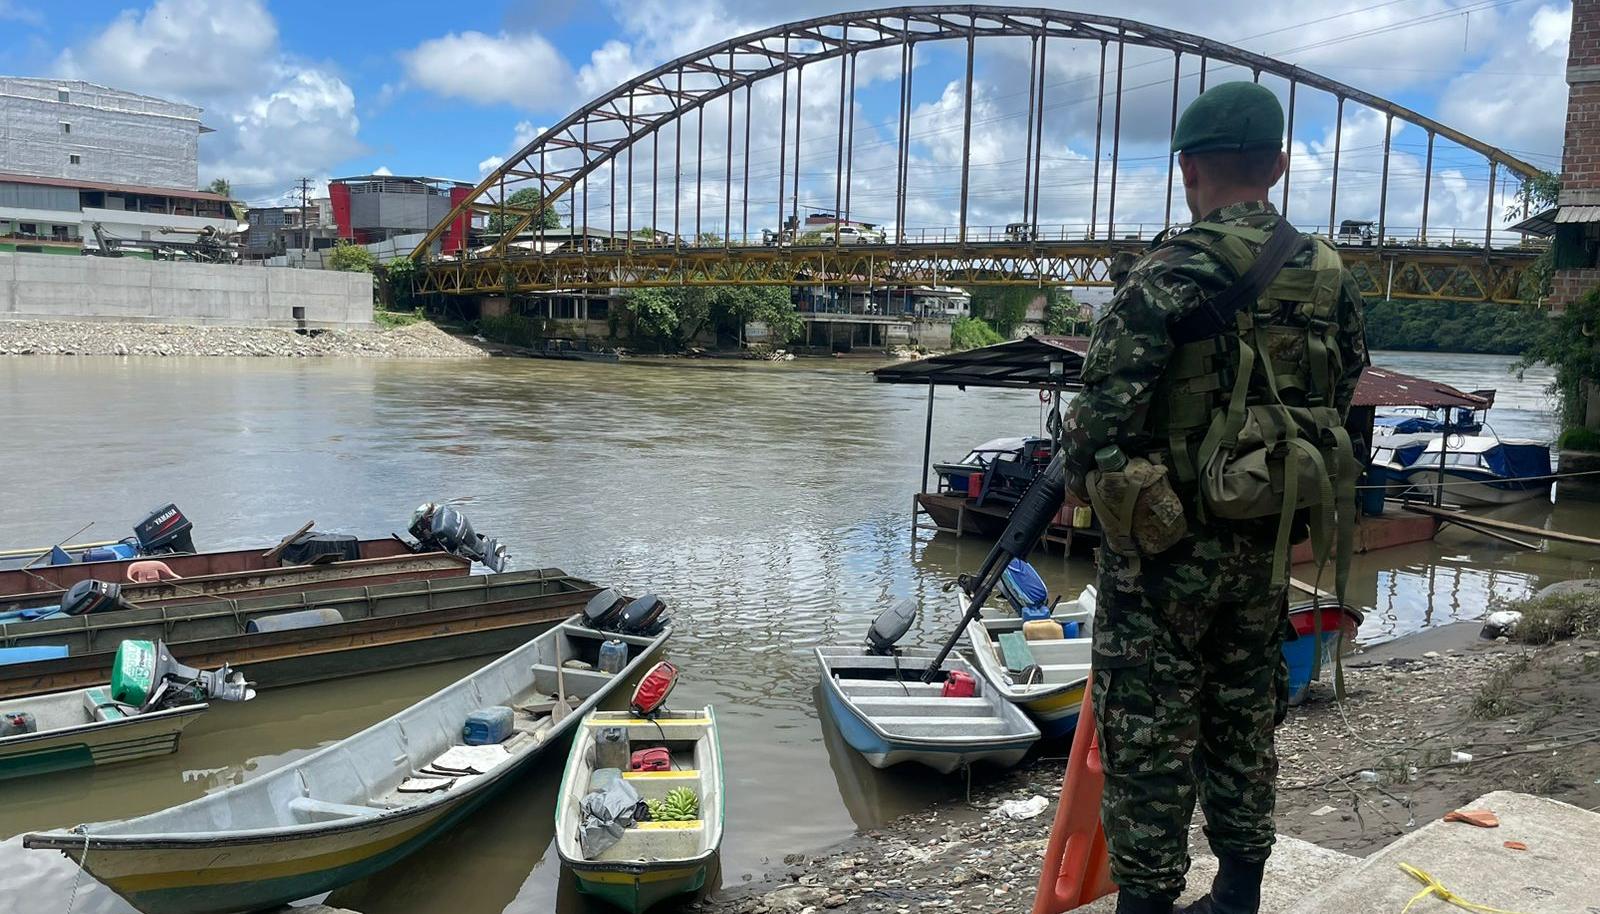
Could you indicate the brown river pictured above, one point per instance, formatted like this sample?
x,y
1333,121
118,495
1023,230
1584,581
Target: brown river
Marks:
x,y
768,503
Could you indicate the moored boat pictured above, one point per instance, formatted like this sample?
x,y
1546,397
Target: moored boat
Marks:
x,y
1046,677
1482,470
139,714
650,861
1338,628
361,804
292,638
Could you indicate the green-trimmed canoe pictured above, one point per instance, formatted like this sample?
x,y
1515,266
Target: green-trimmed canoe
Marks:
x,y
654,861
353,807
83,728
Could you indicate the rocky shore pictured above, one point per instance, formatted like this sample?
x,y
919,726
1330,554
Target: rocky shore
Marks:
x,y
1413,738
415,341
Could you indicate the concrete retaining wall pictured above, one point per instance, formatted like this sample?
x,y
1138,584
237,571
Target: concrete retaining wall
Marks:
x,y
41,287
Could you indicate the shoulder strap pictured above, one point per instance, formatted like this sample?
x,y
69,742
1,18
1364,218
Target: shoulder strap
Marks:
x,y
1216,315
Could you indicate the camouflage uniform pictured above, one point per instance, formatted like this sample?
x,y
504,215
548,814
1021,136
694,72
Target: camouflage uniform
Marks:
x,y
1189,678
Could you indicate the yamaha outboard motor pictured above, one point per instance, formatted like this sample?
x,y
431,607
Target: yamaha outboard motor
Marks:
x,y
441,527
890,626
166,530
146,677
86,597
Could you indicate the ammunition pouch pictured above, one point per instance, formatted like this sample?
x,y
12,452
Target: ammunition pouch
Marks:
x,y
1139,512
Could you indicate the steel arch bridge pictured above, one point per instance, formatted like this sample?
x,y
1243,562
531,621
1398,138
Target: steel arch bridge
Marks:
x,y
599,140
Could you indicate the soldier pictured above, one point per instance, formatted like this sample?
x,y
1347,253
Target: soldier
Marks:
x,y
1203,362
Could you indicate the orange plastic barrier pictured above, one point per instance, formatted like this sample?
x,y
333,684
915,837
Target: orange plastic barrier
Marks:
x,y
1077,869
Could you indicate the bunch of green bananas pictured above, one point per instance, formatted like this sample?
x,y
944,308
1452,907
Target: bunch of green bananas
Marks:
x,y
679,805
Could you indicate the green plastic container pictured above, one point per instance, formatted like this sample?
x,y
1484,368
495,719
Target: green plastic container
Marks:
x,y
133,674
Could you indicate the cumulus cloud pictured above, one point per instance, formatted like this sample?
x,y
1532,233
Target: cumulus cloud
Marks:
x,y
521,69
277,118
382,170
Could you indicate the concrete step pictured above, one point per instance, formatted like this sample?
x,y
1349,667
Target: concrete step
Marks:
x,y
1555,875
1296,869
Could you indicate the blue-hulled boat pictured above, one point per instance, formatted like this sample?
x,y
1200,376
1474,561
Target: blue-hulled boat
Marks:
x,y
1483,470
1339,625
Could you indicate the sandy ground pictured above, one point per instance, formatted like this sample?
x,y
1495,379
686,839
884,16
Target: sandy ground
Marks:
x,y
1355,774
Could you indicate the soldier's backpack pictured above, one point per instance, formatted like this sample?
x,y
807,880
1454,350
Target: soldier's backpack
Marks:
x,y
1267,352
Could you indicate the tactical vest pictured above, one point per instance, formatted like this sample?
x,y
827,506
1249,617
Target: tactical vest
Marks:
x,y
1247,417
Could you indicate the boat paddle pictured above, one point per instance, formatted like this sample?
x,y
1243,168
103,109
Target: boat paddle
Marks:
x,y
1028,522
560,709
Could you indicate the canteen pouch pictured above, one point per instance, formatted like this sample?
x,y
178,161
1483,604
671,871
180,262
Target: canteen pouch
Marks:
x,y
1139,512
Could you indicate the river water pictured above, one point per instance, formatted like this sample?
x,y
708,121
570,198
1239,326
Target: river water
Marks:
x,y
768,503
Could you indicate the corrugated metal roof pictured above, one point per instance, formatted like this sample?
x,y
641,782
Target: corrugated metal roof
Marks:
x,y
1542,224
1382,387
1569,214
1018,363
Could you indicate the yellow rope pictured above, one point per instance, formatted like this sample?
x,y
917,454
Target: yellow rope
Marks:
x,y
1435,887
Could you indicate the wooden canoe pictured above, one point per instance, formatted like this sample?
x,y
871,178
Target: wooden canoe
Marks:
x,y
356,806
45,577
262,581
653,861
383,627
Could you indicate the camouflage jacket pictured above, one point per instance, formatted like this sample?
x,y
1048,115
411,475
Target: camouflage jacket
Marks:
x,y
1133,340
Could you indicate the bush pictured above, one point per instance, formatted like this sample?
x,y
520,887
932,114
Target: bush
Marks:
x,y
1579,438
347,257
970,333
1567,345
1557,617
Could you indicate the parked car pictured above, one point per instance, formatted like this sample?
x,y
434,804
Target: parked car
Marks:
x,y
850,234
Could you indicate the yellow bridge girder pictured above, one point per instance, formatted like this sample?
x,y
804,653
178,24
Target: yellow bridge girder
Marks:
x,y
1432,273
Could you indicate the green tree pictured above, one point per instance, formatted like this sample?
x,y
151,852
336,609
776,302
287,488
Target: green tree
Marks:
x,y
526,198
398,278
672,317
1063,316
1536,195
1004,308
971,332
350,258
220,186
1444,326
1568,345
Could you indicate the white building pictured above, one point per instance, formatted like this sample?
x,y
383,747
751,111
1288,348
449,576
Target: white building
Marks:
x,y
74,155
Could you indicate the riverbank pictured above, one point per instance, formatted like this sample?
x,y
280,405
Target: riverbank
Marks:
x,y
1414,738
420,340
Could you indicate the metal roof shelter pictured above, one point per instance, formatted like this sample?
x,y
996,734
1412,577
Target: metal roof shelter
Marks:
x,y
1382,387
1024,363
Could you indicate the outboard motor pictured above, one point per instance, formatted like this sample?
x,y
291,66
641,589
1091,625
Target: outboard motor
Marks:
x,y
86,597
441,527
165,530
146,677
890,626
1025,591
603,609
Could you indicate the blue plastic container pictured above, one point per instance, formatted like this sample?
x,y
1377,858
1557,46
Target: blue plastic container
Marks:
x,y
487,726
1300,653
1070,630
613,656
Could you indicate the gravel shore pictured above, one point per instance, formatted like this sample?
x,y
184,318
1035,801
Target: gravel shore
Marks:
x,y
416,341
1409,742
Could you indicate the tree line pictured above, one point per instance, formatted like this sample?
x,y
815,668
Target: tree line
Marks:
x,y
1445,326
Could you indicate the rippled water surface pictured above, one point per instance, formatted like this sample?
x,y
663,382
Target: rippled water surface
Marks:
x,y
770,504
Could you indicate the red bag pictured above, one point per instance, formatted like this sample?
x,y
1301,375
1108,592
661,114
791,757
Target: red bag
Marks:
x,y
653,689
959,684
656,758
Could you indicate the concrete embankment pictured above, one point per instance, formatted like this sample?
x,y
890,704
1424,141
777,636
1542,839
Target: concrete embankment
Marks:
x,y
416,341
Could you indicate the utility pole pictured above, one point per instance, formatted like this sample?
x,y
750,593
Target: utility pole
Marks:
x,y
305,225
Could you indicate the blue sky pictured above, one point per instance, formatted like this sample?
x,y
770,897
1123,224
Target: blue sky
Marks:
x,y
327,89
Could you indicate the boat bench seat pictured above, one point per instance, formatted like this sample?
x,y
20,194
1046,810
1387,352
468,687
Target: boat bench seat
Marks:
x,y
655,785
858,688
579,682
308,810
101,708
659,841
921,706
908,725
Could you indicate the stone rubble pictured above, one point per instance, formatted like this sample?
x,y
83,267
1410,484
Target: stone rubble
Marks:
x,y
416,341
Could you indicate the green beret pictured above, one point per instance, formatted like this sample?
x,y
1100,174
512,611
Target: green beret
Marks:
x,y
1232,116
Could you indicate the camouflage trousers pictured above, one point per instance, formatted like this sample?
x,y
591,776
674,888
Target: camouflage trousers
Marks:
x,y
1189,683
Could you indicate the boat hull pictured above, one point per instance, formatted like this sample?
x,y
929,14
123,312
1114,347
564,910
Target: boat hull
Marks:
x,y
107,743
942,754
636,889
1468,488
1054,706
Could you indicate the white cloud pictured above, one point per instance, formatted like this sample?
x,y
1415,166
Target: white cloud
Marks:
x,y
276,118
609,66
520,69
382,170
1518,97
11,9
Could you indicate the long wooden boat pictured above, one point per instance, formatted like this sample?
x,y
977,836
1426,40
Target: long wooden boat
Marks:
x,y
354,807
73,734
17,581
1054,699
889,715
653,861
262,581
383,627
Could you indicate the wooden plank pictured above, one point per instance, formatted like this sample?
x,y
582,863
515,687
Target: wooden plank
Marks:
x,y
271,555
1312,589
1485,531
1502,525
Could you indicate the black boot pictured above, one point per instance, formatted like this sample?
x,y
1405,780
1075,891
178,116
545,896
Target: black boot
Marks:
x,y
1129,903
1236,890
